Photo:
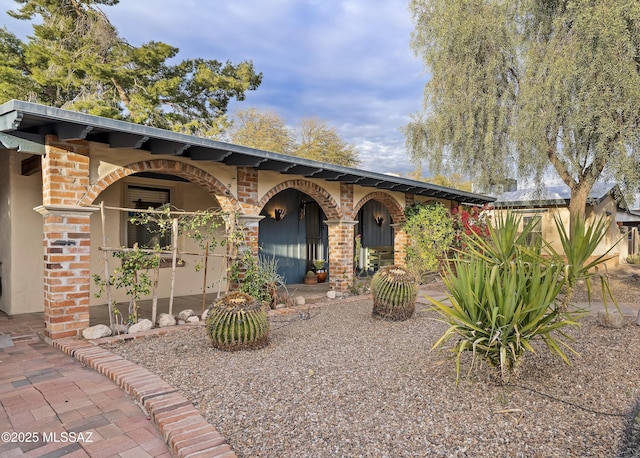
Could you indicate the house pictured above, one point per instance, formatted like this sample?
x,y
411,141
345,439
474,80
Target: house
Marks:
x,y
541,206
57,166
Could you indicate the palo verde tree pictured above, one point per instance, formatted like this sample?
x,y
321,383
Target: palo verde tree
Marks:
x,y
517,87
75,59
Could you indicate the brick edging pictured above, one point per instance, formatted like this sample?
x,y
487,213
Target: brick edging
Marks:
x,y
182,427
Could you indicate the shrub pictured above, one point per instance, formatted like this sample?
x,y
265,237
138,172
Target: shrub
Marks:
x,y
237,321
394,291
430,231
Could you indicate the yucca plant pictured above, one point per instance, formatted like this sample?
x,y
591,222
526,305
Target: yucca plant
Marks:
x,y
502,296
238,321
394,290
578,245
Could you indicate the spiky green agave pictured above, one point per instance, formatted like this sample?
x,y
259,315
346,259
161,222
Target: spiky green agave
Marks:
x,y
237,321
394,291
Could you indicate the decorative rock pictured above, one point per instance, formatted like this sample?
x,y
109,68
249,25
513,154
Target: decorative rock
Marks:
x,y
205,314
142,325
96,332
300,300
185,314
166,320
119,328
193,319
611,319
280,306
181,322
331,294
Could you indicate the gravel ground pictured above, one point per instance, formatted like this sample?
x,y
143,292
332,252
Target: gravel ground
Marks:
x,y
344,384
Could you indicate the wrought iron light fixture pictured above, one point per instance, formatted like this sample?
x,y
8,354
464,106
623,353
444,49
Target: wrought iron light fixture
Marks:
x,y
379,220
279,213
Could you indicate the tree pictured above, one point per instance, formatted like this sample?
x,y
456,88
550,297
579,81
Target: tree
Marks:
x,y
262,130
517,87
76,59
321,142
314,139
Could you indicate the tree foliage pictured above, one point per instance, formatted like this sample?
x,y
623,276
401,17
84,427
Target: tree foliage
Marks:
x,y
518,86
314,139
75,59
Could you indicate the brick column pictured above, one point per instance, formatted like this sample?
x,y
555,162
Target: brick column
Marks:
x,y
400,240
66,237
346,200
340,253
67,274
249,221
409,200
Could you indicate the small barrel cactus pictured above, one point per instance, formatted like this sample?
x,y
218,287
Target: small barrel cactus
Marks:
x,y
237,321
394,291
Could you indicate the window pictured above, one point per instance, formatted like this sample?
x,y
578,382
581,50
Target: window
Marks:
x,y
535,236
144,198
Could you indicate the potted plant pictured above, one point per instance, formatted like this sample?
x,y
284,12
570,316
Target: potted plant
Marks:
x,y
310,278
321,273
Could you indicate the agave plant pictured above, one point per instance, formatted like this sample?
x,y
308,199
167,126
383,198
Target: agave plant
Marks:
x,y
394,291
503,295
237,321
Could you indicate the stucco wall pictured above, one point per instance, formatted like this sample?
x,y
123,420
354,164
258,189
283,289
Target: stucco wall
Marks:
x,y
21,239
186,196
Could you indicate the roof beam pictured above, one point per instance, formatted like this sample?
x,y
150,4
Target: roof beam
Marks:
x,y
197,153
66,131
157,146
126,140
243,160
11,120
21,145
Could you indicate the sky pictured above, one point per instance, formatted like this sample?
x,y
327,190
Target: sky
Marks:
x,y
347,62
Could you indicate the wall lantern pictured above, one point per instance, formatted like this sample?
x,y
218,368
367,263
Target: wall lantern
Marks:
x,y
279,213
379,220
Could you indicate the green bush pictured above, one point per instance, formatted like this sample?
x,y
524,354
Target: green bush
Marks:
x,y
431,234
394,290
237,321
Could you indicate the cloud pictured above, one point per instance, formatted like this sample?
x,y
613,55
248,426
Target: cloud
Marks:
x,y
347,62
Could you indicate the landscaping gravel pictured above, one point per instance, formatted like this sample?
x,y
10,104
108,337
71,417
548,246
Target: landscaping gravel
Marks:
x,y
345,384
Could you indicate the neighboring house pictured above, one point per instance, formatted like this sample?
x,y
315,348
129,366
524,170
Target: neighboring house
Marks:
x,y
64,164
540,207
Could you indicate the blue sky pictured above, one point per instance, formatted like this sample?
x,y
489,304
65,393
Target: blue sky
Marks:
x,y
347,62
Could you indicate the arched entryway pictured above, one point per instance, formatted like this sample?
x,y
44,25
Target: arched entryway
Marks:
x,y
293,231
378,215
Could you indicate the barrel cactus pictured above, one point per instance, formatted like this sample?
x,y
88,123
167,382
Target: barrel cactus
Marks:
x,y
237,321
394,291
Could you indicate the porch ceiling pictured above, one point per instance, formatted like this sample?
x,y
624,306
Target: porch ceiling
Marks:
x,y
24,125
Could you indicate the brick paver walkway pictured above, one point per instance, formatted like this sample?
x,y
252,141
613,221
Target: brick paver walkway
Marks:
x,y
77,399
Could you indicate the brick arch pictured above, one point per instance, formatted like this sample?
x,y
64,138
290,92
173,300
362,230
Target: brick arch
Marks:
x,y
391,204
319,194
195,175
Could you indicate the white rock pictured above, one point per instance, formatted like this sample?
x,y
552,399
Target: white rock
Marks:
x,y
613,319
193,319
181,322
142,325
331,294
96,332
300,300
205,314
166,320
280,306
185,314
